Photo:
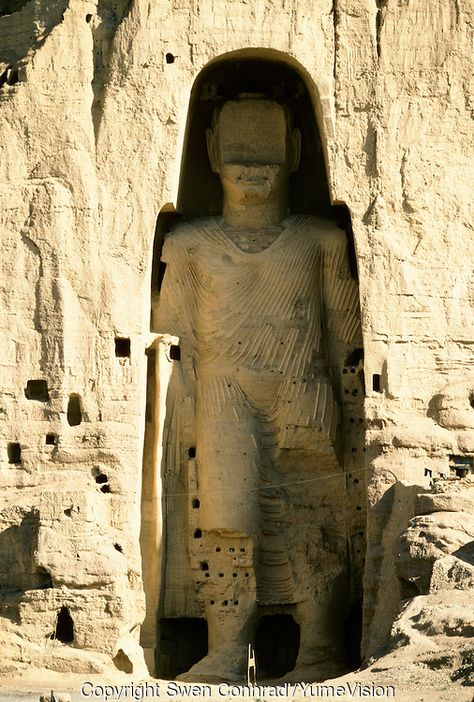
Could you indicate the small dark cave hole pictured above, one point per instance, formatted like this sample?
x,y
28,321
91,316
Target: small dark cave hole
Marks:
x,y
408,590
51,440
122,662
101,478
14,452
277,643
13,77
197,533
182,643
175,352
74,411
192,452
122,347
355,357
118,548
64,626
45,580
169,58
88,18
195,503
37,390
376,384
471,399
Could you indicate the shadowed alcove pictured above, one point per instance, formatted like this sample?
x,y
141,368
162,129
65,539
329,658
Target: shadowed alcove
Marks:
x,y
182,643
200,191
277,642
174,634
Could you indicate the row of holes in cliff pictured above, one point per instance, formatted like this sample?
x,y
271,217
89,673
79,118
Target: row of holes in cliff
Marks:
x,y
37,389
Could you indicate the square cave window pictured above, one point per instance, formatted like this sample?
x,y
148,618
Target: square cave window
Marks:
x,y
122,347
37,390
14,452
175,352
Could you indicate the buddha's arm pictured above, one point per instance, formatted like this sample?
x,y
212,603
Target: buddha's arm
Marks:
x,y
340,302
173,309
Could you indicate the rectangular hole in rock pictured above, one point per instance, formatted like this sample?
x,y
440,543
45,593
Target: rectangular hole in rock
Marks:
x,y
376,385
74,410
175,352
122,347
37,390
64,626
51,440
14,452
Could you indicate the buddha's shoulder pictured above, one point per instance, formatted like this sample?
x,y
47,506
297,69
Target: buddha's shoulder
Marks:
x,y
186,230
319,229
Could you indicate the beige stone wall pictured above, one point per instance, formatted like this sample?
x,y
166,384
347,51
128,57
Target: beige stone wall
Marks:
x,y
93,122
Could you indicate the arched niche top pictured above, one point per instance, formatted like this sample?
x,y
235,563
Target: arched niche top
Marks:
x,y
279,77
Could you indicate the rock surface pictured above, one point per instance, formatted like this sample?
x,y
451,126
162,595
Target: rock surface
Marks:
x,y
94,96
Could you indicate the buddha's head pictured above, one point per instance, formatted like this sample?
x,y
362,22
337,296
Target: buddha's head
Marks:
x,y
254,148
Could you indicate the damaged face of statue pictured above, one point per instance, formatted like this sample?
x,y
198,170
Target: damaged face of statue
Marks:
x,y
254,150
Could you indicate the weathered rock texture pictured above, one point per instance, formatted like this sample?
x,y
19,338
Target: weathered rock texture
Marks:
x,y
94,99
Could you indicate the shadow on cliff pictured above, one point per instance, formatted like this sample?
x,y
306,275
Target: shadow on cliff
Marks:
x,y
24,27
26,24
110,15
18,570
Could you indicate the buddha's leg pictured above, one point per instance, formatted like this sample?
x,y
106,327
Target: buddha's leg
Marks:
x,y
315,519
316,536
227,458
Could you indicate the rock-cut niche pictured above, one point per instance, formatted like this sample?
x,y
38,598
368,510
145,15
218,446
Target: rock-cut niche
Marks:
x,y
253,413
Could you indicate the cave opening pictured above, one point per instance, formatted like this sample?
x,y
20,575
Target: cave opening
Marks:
x,y
64,631
182,643
74,411
14,452
277,644
37,390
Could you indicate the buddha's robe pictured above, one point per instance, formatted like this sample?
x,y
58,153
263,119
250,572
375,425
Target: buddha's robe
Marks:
x,y
260,336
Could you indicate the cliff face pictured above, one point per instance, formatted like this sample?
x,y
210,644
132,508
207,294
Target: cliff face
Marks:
x,y
94,99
